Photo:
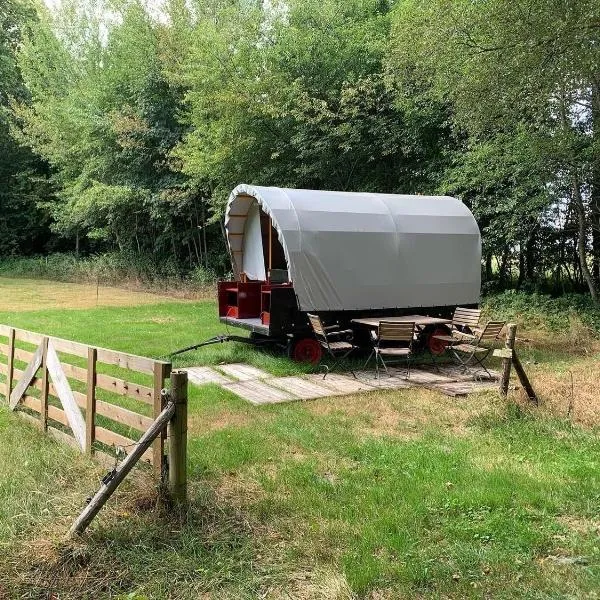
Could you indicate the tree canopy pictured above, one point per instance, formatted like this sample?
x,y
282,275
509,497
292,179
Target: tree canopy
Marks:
x,y
129,124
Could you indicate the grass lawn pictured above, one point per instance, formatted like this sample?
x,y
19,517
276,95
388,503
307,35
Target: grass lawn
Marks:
x,y
393,494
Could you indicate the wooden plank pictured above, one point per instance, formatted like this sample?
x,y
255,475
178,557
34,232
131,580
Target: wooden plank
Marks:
x,y
5,330
204,375
70,347
4,349
110,438
65,395
503,353
90,402
122,415
128,361
32,403
10,363
342,384
161,372
302,388
525,380
44,385
54,413
73,372
243,372
125,388
259,392
511,333
421,376
24,355
384,381
109,486
26,378
3,369
28,336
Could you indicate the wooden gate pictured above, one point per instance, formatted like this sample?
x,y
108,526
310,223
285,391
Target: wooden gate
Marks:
x,y
95,399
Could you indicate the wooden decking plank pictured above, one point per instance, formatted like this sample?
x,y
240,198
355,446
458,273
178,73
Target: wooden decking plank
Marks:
x,y
419,376
204,375
302,388
384,381
341,384
243,372
259,392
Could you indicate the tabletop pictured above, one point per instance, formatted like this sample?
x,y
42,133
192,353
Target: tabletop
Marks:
x,y
419,320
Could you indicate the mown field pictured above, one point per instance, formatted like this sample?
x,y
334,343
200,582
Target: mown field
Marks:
x,y
393,494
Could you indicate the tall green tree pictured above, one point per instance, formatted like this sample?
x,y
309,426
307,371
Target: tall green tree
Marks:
x,y
524,71
23,177
297,94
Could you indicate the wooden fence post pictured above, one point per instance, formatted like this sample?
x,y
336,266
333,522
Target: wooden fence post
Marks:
x,y
10,363
90,404
44,394
511,334
178,438
161,372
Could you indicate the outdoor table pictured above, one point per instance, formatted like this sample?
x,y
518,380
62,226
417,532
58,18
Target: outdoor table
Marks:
x,y
420,321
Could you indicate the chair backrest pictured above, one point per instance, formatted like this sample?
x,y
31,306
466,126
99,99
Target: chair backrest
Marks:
x,y
466,317
492,331
392,331
317,325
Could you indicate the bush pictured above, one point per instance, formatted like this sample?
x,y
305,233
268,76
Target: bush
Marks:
x,y
115,268
539,310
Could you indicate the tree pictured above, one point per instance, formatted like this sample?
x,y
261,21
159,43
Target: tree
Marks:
x,y
23,177
516,70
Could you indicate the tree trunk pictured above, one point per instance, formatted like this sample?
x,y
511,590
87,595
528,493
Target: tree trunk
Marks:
x,y
595,190
581,235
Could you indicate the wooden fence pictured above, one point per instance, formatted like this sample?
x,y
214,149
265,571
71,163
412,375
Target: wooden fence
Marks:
x,y
83,394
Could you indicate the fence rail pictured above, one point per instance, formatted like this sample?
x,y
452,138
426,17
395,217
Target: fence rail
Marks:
x,y
82,394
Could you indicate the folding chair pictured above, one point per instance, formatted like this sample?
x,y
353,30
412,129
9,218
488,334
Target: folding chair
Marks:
x,y
386,341
329,338
477,348
464,326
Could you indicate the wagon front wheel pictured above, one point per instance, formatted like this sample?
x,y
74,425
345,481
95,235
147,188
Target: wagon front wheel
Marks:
x,y
305,350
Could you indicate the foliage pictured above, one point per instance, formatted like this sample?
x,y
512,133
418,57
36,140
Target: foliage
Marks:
x,y
522,80
23,184
366,495
554,314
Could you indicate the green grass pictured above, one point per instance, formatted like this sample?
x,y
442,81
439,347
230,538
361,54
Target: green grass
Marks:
x,y
336,498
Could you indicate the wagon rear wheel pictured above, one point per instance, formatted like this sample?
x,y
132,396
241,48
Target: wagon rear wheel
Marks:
x,y
435,346
305,350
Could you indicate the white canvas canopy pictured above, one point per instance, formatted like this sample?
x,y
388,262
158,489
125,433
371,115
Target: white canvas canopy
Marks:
x,y
359,251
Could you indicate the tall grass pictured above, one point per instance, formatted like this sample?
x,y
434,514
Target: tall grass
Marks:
x,y
113,269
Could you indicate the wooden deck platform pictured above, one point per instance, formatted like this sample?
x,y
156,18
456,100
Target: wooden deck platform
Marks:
x,y
260,387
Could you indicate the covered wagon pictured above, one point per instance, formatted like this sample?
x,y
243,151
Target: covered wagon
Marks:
x,y
342,255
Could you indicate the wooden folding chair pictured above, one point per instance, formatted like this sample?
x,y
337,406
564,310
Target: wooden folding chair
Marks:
x,y
330,339
386,343
478,347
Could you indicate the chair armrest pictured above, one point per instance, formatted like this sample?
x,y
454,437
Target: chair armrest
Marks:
x,y
347,333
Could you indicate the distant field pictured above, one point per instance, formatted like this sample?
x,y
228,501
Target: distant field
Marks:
x,y
35,294
393,494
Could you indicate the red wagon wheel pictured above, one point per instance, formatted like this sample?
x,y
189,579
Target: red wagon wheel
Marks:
x,y
435,346
306,350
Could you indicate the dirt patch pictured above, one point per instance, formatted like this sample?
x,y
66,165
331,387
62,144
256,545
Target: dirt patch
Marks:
x,y
203,423
579,525
404,413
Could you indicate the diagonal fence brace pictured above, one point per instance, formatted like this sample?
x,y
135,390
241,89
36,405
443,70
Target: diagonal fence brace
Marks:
x,y
107,489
